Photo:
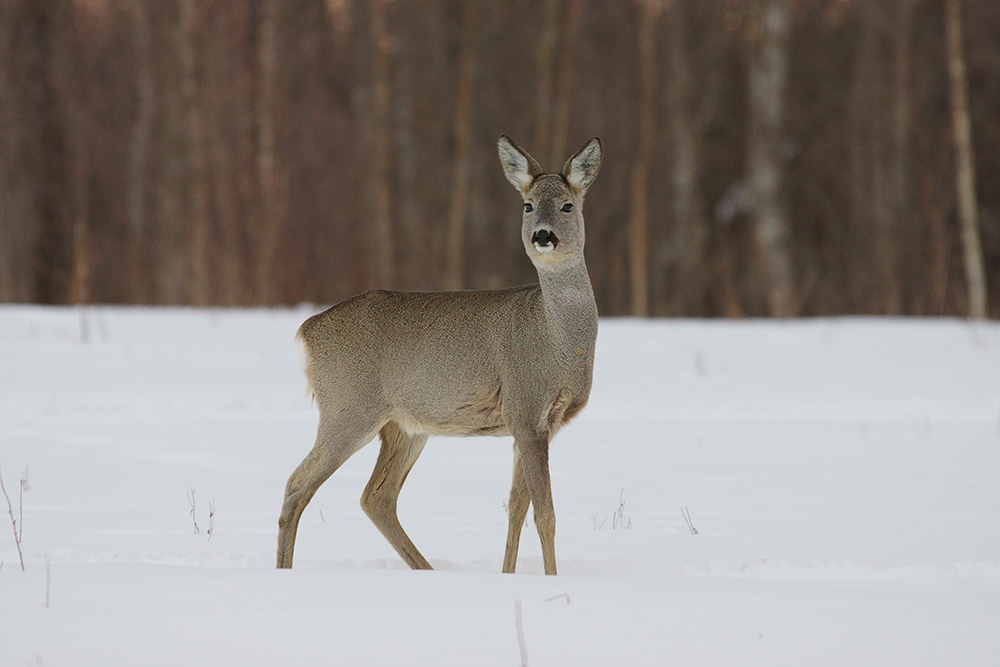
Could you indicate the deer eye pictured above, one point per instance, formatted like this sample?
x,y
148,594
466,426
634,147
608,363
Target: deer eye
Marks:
x,y
566,208
528,208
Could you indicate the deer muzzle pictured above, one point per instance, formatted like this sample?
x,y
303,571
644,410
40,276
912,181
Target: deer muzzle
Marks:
x,y
544,240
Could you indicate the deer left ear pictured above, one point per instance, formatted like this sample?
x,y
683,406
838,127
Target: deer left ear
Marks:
x,y
581,169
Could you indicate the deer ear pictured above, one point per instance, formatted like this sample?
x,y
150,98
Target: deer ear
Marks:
x,y
581,169
519,167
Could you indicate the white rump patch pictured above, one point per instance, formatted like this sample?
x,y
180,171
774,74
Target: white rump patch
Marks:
x,y
300,345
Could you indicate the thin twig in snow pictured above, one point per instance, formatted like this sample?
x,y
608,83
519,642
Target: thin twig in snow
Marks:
x,y
211,518
194,520
618,519
13,522
687,519
520,632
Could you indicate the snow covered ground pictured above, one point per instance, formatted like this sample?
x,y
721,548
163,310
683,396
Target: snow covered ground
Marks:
x,y
843,477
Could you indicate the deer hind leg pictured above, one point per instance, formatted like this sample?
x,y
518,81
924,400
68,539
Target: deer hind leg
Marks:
x,y
517,509
335,443
535,464
399,452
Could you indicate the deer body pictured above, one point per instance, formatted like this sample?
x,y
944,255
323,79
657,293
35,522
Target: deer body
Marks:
x,y
511,362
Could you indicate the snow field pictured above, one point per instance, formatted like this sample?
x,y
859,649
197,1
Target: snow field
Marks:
x,y
842,476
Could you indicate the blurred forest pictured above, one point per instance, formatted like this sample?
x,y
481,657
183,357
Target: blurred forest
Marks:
x,y
762,157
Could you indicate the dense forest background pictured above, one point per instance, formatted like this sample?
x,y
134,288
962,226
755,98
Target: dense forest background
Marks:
x,y
762,157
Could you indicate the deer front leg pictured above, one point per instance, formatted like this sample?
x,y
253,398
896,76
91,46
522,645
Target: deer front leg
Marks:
x,y
517,509
534,453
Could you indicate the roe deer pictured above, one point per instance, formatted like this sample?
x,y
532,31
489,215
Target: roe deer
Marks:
x,y
407,365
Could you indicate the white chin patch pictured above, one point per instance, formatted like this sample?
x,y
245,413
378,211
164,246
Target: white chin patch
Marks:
x,y
544,248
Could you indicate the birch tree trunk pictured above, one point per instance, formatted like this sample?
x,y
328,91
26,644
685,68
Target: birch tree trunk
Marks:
x,y
767,80
965,169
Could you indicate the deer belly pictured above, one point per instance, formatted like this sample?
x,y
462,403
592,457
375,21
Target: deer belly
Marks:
x,y
466,416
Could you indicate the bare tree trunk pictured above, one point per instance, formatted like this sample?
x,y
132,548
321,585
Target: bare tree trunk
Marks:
x,y
938,241
902,170
223,93
138,151
965,169
414,270
767,80
8,138
47,181
197,172
80,286
687,249
6,240
877,289
544,62
340,15
564,83
639,220
729,297
78,132
269,226
458,210
933,272
171,235
246,174
380,193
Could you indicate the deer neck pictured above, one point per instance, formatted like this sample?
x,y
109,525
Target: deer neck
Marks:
x,y
569,306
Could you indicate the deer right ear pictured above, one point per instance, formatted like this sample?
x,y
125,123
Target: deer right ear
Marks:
x,y
519,167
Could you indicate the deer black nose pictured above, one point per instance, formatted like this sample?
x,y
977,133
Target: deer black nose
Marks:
x,y
543,238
